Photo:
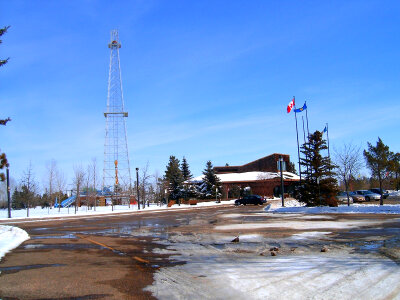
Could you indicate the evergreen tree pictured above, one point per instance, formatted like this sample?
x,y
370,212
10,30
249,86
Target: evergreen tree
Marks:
x,y
174,178
379,161
185,170
291,168
210,183
319,186
396,170
3,31
25,198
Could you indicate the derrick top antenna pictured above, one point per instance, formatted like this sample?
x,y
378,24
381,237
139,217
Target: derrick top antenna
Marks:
x,y
114,43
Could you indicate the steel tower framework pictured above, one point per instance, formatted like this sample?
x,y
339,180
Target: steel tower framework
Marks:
x,y
116,172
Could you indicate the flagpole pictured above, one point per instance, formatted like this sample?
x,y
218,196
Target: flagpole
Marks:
x,y
297,134
304,136
327,137
308,131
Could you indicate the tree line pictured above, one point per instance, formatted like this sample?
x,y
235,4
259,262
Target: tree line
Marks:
x,y
324,177
177,186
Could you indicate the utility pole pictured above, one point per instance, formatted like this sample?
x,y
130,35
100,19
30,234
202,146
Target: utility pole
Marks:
x,y
8,191
137,188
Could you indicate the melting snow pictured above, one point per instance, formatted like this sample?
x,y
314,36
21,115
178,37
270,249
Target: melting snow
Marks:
x,y
10,238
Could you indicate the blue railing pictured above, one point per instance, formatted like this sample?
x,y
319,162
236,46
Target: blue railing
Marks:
x,y
66,202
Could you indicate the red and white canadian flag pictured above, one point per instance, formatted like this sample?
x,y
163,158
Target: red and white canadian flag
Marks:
x,y
290,106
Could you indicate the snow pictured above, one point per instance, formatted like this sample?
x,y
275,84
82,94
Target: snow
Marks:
x,y
215,268
300,224
10,238
290,277
217,273
394,193
355,208
249,176
38,212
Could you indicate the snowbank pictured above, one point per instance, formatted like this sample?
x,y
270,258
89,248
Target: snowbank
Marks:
x,y
10,238
38,212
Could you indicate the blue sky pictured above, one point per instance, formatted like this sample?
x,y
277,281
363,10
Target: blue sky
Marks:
x,y
209,80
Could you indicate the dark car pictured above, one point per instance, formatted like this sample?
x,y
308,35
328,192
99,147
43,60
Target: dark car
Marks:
x,y
252,199
385,193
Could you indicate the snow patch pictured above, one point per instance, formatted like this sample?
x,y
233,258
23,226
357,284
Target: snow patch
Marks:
x,y
301,225
11,237
356,208
310,234
38,212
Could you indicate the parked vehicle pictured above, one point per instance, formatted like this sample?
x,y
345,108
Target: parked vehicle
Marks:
x,y
357,197
342,197
368,195
385,193
252,199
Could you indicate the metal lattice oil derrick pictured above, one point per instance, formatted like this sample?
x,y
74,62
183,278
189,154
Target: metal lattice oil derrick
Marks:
x,y
116,172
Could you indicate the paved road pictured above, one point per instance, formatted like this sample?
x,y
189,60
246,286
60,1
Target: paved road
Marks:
x,y
91,258
112,257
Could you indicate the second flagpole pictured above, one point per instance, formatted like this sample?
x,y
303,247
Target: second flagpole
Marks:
x,y
297,134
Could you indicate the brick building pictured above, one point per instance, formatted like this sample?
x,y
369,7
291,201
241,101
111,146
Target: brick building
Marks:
x,y
261,175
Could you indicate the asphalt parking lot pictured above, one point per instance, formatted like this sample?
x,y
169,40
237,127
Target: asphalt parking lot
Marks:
x,y
123,257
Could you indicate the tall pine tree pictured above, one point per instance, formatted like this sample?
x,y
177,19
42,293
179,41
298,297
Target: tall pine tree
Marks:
x,y
185,170
174,178
210,183
379,161
319,186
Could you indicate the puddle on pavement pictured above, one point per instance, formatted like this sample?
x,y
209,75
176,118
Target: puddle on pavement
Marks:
x,y
63,246
66,236
371,239
14,269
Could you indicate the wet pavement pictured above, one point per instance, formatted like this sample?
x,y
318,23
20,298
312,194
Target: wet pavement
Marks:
x,y
115,257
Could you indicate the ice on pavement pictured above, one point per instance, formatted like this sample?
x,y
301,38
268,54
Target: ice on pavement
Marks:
x,y
294,277
356,208
212,273
300,224
215,268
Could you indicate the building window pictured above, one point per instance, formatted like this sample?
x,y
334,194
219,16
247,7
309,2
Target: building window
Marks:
x,y
283,166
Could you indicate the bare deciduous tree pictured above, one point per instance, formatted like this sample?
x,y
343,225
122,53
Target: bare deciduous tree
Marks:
x,y
29,186
89,192
159,188
61,183
93,167
79,178
51,168
145,183
349,162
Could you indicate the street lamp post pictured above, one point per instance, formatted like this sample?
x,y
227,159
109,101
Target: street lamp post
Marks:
x,y
137,188
282,185
8,191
